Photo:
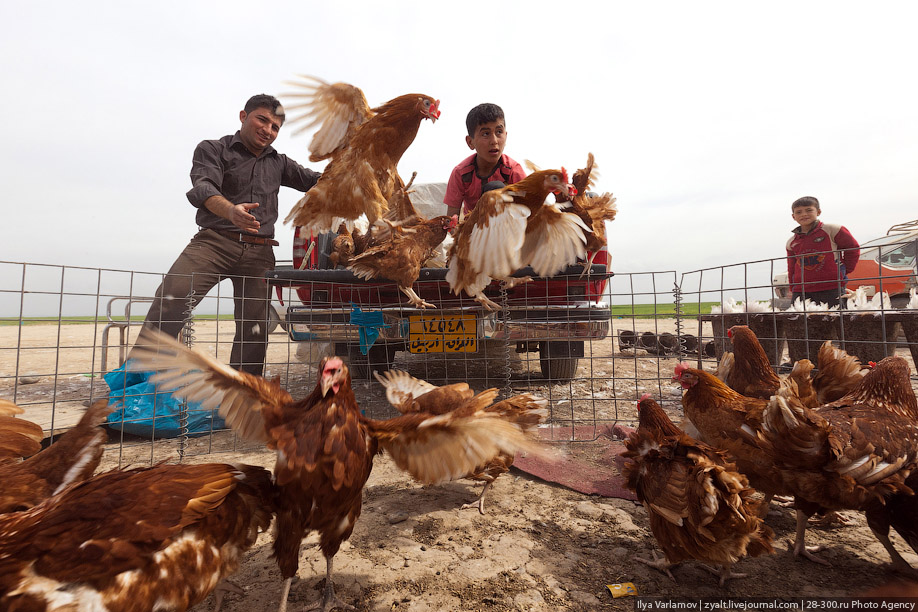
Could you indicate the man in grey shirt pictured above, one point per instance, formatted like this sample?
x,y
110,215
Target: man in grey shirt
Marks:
x,y
235,182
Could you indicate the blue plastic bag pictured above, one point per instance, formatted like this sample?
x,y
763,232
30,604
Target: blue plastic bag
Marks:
x,y
368,325
144,411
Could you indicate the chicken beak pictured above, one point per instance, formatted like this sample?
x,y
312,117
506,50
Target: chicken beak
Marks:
x,y
327,383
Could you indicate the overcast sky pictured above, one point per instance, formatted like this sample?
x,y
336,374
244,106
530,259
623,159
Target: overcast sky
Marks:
x,y
707,119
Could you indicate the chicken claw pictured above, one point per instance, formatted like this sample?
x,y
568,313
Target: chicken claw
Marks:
x,y
510,283
487,303
479,503
223,587
724,573
659,564
329,600
800,548
416,300
831,520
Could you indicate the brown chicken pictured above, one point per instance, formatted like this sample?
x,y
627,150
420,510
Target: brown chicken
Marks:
x,y
747,371
699,506
729,421
342,249
593,210
72,458
401,257
512,227
158,538
409,395
839,373
19,438
364,145
847,454
325,446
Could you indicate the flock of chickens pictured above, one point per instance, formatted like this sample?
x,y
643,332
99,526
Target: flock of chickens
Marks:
x,y
166,536
845,438
508,229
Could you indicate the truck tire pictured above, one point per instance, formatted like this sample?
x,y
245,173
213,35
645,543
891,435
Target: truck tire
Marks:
x,y
558,360
378,359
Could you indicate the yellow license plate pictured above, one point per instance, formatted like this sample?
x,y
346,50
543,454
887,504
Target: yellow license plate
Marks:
x,y
443,333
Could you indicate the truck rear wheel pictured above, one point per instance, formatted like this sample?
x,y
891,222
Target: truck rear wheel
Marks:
x,y
559,360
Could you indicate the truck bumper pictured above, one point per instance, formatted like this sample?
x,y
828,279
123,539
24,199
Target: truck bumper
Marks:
x,y
589,320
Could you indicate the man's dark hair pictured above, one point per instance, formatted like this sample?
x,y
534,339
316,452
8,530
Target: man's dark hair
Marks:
x,y
483,113
805,201
265,101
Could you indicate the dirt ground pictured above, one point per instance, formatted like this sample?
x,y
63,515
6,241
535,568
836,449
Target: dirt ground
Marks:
x,y
540,546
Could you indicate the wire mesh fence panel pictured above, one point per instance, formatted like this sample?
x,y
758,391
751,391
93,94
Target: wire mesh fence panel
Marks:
x,y
548,337
591,343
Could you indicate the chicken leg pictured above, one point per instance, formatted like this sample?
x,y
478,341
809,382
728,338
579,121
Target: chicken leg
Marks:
x,y
510,283
329,600
800,549
223,587
724,573
415,299
659,564
486,303
588,266
480,502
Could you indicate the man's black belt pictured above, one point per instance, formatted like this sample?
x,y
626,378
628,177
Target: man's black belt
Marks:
x,y
247,238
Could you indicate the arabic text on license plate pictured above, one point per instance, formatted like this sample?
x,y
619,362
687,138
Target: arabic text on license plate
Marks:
x,y
443,333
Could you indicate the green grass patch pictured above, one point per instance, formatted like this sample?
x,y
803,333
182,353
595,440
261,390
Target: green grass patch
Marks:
x,y
649,311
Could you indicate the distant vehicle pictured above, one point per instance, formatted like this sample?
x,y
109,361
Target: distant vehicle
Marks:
x,y
888,264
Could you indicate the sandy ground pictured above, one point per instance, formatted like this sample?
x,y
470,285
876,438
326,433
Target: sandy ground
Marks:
x,y
539,547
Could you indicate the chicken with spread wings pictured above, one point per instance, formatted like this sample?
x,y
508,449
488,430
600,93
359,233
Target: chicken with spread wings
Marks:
x,y
141,540
594,210
73,457
512,227
325,446
849,454
364,146
401,257
411,395
699,506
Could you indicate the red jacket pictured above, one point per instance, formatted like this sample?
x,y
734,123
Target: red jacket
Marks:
x,y
812,262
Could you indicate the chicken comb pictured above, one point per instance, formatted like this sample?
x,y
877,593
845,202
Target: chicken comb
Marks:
x,y
681,367
646,396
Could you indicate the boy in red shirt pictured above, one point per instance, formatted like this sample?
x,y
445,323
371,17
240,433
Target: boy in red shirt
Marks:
x,y
487,136
815,269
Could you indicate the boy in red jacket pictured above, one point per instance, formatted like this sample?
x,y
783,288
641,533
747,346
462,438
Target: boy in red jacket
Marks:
x,y
487,136
819,255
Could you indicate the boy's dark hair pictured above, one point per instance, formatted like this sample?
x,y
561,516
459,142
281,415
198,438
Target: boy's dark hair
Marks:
x,y
265,101
483,113
805,201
